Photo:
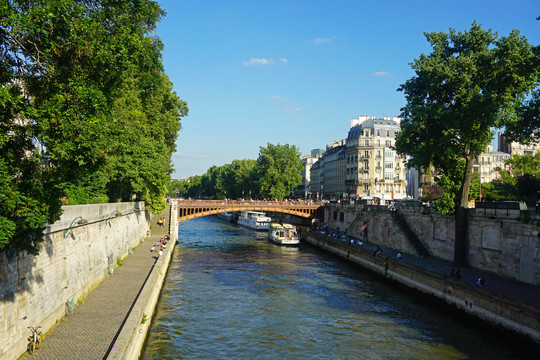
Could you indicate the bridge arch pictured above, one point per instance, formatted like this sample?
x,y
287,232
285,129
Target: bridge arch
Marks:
x,y
191,209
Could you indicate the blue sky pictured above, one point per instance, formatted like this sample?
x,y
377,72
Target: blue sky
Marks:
x,y
296,71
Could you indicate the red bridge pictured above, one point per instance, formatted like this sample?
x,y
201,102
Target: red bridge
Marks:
x,y
190,209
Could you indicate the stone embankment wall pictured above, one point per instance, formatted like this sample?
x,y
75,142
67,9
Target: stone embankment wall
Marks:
x,y
505,242
498,310
79,250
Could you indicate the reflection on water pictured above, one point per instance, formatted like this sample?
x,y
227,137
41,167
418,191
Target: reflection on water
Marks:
x,y
230,294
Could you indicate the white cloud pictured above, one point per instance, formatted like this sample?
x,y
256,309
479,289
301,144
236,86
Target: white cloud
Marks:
x,y
257,61
292,110
381,73
283,60
276,97
319,40
188,155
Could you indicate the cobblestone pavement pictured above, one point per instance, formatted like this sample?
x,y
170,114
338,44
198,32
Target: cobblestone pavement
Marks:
x,y
92,328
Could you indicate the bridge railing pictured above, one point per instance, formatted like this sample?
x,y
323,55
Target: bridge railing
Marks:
x,y
248,202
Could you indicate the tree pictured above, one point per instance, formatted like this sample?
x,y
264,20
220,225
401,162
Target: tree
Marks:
x,y
278,170
86,110
471,83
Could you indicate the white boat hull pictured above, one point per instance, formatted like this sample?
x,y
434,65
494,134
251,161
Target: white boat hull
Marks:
x,y
254,221
283,234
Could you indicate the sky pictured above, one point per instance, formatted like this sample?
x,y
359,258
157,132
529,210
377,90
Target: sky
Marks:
x,y
297,71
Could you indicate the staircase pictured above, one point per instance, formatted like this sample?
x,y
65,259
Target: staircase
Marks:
x,y
357,219
410,235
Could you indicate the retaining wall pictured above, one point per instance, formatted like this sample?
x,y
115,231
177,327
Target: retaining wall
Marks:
x,y
506,242
500,311
73,258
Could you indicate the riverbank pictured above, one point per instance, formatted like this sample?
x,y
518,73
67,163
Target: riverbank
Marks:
x,y
505,304
112,320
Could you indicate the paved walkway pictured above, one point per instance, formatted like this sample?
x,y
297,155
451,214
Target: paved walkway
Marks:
x,y
94,325
526,293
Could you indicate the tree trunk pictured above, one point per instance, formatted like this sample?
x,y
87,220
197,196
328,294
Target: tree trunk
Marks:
x,y
461,226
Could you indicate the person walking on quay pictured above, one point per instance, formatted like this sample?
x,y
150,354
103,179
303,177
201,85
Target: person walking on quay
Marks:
x,y
377,251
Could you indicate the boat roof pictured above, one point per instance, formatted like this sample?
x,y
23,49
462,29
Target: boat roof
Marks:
x,y
284,226
254,212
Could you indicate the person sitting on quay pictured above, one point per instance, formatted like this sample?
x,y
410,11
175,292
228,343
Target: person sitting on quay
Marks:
x,y
481,281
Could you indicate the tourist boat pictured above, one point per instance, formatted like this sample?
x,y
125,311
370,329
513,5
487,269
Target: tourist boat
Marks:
x,y
255,220
283,234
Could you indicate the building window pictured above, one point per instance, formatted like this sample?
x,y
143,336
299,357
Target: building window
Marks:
x,y
341,216
366,154
388,164
366,165
388,153
366,188
387,133
366,176
366,142
378,142
388,143
378,133
388,175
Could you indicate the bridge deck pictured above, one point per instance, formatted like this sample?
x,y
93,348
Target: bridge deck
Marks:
x,y
190,209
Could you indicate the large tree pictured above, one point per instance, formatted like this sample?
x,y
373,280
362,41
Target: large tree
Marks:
x,y
471,82
278,170
85,109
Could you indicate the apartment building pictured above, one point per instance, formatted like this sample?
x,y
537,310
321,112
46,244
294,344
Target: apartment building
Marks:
x,y
373,168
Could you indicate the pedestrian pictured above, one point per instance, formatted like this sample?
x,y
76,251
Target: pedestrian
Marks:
x,y
457,275
377,251
152,249
365,230
452,272
160,252
481,281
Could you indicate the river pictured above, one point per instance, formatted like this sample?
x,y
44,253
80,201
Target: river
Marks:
x,y
230,294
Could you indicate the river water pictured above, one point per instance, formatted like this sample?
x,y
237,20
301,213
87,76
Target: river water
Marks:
x,y
230,294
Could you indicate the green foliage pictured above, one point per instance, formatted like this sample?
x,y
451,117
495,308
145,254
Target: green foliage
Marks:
x,y
89,111
520,180
274,174
459,93
278,170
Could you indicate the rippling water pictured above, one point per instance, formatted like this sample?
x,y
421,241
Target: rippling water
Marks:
x,y
230,294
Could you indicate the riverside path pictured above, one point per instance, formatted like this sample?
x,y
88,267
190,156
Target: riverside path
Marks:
x,y
92,330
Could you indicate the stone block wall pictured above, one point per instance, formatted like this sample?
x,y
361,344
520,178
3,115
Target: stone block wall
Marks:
x,y
506,243
73,258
